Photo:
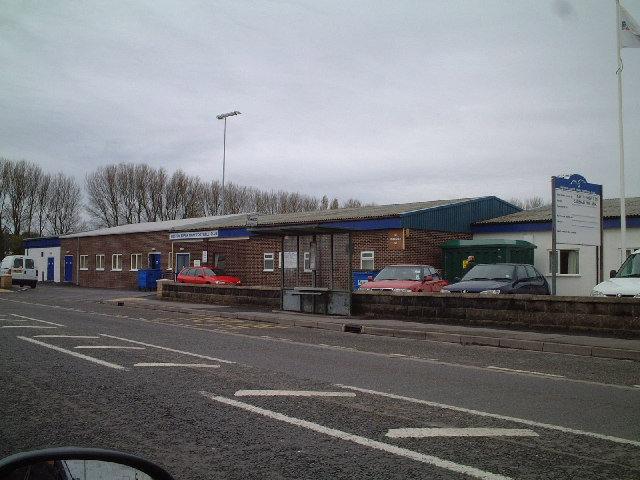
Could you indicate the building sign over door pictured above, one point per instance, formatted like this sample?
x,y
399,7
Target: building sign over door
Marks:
x,y
193,235
396,239
578,215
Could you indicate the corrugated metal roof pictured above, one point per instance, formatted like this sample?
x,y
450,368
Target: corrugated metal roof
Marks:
x,y
610,209
339,214
143,227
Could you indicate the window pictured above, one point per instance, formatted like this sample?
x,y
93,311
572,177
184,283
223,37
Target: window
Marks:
x,y
84,262
100,262
531,272
28,263
521,272
306,262
219,260
116,262
267,262
568,262
367,260
17,263
136,261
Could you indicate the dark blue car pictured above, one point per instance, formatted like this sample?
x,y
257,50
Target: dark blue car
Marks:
x,y
501,278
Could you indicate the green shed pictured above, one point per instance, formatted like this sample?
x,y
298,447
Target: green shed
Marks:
x,y
487,250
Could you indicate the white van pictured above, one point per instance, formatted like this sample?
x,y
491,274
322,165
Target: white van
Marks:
x,y
21,268
623,283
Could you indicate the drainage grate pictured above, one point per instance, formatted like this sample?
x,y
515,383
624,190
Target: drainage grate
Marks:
x,y
353,328
121,304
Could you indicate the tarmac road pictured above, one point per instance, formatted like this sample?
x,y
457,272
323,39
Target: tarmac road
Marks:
x,y
213,398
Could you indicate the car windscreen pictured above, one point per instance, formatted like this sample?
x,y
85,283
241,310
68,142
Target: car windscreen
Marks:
x,y
400,273
490,272
210,273
28,263
630,268
17,263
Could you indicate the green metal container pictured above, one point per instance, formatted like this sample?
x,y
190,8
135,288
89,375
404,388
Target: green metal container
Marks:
x,y
485,251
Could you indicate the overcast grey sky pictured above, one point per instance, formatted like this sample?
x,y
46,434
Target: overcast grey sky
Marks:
x,y
390,101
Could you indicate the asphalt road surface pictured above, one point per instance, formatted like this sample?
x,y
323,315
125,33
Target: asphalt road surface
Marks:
x,y
209,398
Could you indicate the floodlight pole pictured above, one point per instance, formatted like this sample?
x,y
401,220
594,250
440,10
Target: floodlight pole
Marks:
x,y
223,116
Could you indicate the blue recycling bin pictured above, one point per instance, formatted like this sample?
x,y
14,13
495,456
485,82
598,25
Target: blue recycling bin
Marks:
x,y
362,276
147,278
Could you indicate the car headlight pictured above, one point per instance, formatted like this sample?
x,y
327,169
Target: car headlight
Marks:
x,y
490,292
401,290
597,293
445,291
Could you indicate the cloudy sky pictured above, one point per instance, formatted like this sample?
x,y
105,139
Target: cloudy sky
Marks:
x,y
386,101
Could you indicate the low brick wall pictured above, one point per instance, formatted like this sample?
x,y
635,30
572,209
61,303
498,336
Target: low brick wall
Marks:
x,y
610,316
261,297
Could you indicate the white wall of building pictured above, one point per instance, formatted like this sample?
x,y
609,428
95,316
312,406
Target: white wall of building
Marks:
x,y
40,255
583,282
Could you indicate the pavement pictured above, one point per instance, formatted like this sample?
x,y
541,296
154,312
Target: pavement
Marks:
x,y
605,347
212,397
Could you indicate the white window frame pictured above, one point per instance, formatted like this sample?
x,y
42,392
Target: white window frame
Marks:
x,y
559,250
102,257
268,257
279,259
113,257
86,262
306,262
138,257
368,256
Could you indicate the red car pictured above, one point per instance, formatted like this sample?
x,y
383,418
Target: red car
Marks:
x,y
406,278
206,276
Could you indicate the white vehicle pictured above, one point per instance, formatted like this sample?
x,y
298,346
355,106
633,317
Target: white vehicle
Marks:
x,y
21,268
623,283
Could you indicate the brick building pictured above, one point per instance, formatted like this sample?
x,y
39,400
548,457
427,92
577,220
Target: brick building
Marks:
x,y
251,246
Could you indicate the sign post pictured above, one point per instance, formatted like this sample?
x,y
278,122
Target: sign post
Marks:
x,y
576,218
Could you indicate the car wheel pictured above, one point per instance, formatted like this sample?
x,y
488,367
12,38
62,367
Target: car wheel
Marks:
x,y
33,284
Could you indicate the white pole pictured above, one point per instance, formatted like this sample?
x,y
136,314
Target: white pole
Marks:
x,y
224,157
623,217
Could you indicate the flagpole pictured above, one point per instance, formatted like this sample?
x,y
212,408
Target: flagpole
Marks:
x,y
623,217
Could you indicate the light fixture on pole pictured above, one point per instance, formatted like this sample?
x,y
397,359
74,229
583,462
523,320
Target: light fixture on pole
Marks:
x,y
223,116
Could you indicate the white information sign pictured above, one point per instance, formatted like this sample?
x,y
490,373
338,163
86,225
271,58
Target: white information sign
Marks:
x,y
204,256
290,260
193,235
577,217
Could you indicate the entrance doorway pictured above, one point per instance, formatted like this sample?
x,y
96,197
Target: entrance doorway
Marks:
x,y
68,268
155,261
182,260
50,268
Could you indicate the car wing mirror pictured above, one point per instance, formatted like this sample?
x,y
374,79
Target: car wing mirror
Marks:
x,y
612,273
427,278
201,276
75,462
369,278
456,279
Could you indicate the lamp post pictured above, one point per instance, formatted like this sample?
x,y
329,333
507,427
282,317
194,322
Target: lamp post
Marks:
x,y
223,116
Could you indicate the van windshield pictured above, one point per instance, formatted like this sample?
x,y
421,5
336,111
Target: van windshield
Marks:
x,y
630,268
28,263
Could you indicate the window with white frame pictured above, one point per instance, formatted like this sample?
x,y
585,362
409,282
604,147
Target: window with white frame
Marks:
x,y
568,262
268,262
306,262
84,262
136,261
116,262
100,261
367,260
279,259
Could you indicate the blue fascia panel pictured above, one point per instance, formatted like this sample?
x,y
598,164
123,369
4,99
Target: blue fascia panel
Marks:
x,y
233,233
607,224
373,224
41,242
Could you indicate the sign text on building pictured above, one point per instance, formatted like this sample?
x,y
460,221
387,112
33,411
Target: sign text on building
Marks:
x,y
193,235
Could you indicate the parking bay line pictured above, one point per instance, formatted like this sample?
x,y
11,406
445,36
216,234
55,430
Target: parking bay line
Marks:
x,y
64,336
36,320
74,354
480,413
513,370
459,432
197,355
357,439
25,326
189,365
291,393
107,347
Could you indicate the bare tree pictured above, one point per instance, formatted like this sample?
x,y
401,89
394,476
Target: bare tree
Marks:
x,y
18,195
352,203
103,199
528,203
64,205
334,204
42,198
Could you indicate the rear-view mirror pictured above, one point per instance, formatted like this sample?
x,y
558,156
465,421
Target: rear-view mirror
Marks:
x,y
79,464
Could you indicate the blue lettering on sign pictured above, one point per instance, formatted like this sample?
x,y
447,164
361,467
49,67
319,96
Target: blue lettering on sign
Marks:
x,y
577,182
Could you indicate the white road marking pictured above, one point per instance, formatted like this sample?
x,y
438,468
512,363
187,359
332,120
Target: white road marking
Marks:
x,y
36,320
64,336
291,393
190,365
107,347
12,320
25,326
197,355
357,439
74,354
459,432
531,423
513,370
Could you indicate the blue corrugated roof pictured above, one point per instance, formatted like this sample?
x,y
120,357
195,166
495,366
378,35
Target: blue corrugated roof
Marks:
x,y
43,242
457,217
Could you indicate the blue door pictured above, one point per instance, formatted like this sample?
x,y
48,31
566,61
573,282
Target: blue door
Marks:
x,y
154,261
50,267
68,268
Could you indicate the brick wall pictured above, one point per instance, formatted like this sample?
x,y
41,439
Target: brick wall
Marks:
x,y
244,258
